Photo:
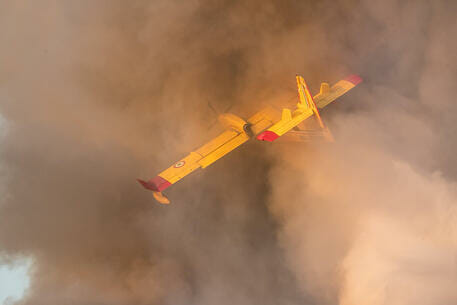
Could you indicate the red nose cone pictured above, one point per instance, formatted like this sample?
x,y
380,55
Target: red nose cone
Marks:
x,y
354,79
267,135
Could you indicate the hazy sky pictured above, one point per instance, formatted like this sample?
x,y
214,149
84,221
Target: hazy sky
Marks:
x,y
13,281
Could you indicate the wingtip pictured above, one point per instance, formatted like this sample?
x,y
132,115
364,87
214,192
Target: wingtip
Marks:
x,y
156,184
157,195
354,79
143,183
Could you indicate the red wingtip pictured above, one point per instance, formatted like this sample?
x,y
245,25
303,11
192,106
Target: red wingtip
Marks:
x,y
267,135
143,183
354,79
156,184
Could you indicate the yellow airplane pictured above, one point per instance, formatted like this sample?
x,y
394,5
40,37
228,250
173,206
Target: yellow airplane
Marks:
x,y
266,125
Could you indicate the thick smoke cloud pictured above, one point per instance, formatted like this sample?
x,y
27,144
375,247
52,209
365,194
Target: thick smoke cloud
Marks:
x,y
371,219
97,93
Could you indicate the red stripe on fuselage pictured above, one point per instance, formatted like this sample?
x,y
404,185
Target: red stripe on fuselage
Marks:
x,y
156,184
267,135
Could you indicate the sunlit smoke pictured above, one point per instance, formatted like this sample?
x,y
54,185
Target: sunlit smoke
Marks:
x,y
97,94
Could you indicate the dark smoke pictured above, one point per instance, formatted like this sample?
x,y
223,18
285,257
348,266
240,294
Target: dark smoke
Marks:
x,y
97,93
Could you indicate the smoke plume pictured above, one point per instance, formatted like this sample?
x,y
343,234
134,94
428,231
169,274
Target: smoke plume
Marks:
x,y
94,94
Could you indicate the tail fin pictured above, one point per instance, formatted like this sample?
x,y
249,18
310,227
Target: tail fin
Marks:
x,y
306,99
304,103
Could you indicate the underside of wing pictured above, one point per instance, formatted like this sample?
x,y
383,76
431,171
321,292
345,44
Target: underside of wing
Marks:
x,y
202,157
221,146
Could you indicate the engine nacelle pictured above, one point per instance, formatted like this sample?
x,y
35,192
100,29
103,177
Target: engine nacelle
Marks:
x,y
232,121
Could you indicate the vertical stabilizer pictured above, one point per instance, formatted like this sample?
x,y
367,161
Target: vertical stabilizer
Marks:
x,y
306,99
303,103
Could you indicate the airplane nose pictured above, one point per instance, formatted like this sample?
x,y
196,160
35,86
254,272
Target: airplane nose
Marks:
x,y
267,135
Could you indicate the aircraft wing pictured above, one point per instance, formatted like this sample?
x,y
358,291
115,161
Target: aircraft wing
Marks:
x,y
235,135
328,95
263,120
202,157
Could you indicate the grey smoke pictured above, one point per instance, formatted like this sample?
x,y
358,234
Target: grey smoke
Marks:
x,y
91,92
